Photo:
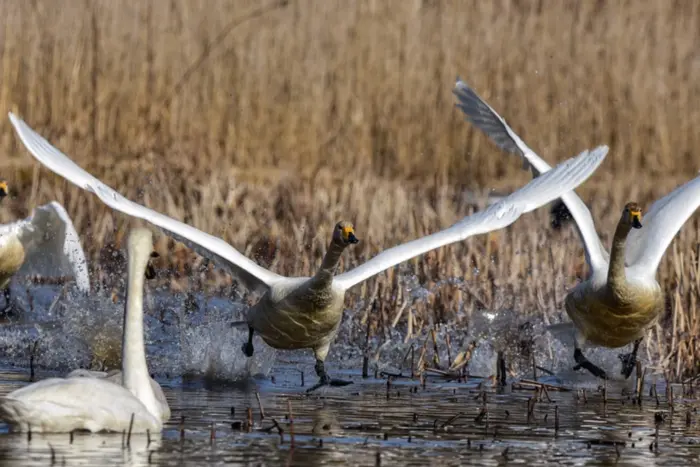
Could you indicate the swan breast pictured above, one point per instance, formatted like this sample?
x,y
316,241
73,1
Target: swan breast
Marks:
x,y
614,320
11,258
298,316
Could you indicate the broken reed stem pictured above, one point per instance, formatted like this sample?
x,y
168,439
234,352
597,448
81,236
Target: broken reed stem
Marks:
x,y
212,433
436,351
291,422
260,406
365,356
556,419
131,426
249,420
449,351
182,428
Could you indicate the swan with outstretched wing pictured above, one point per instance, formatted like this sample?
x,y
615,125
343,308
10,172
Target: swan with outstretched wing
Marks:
x,y
305,312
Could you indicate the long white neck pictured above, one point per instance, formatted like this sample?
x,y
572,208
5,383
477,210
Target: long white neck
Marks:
x,y
135,375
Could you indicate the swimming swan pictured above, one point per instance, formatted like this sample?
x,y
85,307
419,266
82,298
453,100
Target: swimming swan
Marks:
x,y
302,312
621,298
115,376
97,404
45,244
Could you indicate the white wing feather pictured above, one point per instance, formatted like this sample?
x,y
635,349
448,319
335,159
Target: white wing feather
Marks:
x,y
482,116
244,269
541,190
52,246
646,246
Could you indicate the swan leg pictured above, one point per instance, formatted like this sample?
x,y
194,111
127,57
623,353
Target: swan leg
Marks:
x,y
248,346
629,360
9,306
583,362
323,378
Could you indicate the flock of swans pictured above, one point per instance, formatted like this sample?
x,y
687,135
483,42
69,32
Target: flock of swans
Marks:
x,y
612,308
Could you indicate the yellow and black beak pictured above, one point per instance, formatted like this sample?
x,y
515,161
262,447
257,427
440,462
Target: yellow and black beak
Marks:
x,y
150,270
349,235
3,189
636,219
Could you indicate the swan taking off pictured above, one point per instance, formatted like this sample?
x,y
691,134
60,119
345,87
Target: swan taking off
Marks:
x,y
305,312
44,244
621,298
97,404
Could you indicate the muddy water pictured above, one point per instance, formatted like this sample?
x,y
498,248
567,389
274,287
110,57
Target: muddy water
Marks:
x,y
366,424
196,356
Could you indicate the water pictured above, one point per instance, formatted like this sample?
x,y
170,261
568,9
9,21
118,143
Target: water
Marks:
x,y
197,358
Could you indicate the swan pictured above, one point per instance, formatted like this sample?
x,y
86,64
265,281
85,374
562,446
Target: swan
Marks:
x,y
97,404
44,243
621,298
115,376
305,312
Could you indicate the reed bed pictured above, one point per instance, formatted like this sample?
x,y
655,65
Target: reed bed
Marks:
x,y
266,122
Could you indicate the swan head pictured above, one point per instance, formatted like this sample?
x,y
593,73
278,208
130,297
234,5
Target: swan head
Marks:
x,y
344,234
632,215
3,189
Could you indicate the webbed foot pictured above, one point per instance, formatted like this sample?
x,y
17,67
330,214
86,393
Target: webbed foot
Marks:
x,y
248,348
324,379
629,360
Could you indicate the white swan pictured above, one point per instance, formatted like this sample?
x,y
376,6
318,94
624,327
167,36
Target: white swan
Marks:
x,y
621,297
45,244
115,376
97,404
302,312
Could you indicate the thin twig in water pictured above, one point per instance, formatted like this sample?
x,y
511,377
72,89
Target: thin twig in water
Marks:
x,y
260,406
131,426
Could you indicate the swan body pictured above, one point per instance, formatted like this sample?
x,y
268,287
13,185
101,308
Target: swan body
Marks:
x,y
115,376
296,313
44,243
97,404
621,297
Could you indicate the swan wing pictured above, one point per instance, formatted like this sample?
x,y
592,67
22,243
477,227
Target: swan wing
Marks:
x,y
52,246
541,190
646,246
482,116
63,405
252,275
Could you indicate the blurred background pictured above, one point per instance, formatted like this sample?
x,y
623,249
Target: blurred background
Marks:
x,y
266,122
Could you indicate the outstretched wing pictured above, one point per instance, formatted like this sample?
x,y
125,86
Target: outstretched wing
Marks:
x,y
482,116
646,246
541,190
252,275
52,246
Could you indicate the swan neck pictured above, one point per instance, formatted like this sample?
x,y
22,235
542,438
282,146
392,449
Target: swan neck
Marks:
x,y
135,376
330,261
616,273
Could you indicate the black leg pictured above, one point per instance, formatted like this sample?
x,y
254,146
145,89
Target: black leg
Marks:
x,y
248,346
324,379
8,303
629,360
583,362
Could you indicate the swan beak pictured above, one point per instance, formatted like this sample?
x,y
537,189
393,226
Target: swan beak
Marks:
x,y
637,219
352,238
3,190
